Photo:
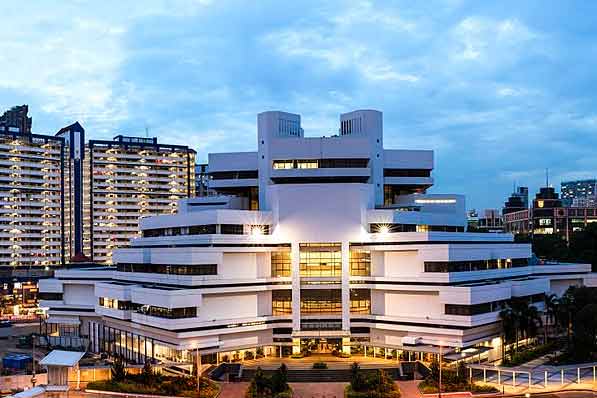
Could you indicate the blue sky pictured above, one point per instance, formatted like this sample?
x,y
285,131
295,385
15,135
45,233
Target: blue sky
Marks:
x,y
500,90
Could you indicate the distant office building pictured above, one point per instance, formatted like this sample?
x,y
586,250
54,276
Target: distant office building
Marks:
x,y
472,220
130,178
16,120
548,216
579,193
31,213
489,221
519,200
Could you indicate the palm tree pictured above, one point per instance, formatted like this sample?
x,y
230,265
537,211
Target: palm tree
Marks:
x,y
532,321
551,312
509,327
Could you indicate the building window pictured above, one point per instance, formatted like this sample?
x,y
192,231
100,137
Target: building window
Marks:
x,y
202,229
49,296
173,269
169,313
232,229
281,302
320,301
360,262
117,304
283,164
281,264
360,301
320,260
307,164
474,265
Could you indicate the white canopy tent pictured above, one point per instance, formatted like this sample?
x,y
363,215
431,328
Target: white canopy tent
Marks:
x,y
58,363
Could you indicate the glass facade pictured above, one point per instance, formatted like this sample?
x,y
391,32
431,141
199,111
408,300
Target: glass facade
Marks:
x,y
281,264
320,260
360,301
170,313
281,302
360,262
475,265
321,301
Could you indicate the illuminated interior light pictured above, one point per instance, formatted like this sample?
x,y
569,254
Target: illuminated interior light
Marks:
x,y
383,229
257,230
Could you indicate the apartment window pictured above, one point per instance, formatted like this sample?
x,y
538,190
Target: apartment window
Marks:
x,y
281,264
320,301
281,302
320,260
360,301
360,262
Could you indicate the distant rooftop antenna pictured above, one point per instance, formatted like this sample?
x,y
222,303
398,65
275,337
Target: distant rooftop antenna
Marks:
x,y
547,177
146,131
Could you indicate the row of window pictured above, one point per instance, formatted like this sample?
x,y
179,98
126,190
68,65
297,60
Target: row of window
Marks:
x,y
392,228
225,229
476,265
320,163
321,301
171,269
233,175
406,172
484,308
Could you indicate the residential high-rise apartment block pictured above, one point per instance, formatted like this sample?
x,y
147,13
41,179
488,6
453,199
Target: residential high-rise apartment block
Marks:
x,y
31,195
579,193
130,178
31,213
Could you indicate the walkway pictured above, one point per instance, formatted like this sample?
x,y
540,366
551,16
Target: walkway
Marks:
x,y
271,363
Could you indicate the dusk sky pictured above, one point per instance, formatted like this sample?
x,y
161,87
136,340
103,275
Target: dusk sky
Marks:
x,y
500,90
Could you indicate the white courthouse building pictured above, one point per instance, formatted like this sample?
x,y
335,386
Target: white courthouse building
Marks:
x,y
322,242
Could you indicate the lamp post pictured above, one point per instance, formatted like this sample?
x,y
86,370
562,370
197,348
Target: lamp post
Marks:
x,y
198,365
439,388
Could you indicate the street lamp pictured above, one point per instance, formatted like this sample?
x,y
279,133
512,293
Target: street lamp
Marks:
x,y
439,388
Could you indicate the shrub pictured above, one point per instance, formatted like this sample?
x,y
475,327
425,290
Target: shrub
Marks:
x,y
344,355
483,389
297,356
248,355
320,365
259,352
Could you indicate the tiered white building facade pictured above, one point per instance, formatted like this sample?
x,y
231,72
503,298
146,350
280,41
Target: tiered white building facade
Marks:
x,y
323,242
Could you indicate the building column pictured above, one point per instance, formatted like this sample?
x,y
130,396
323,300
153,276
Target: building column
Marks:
x,y
345,287
295,258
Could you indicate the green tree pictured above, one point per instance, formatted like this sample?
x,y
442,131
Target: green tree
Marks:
x,y
585,333
551,313
147,374
279,381
118,369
